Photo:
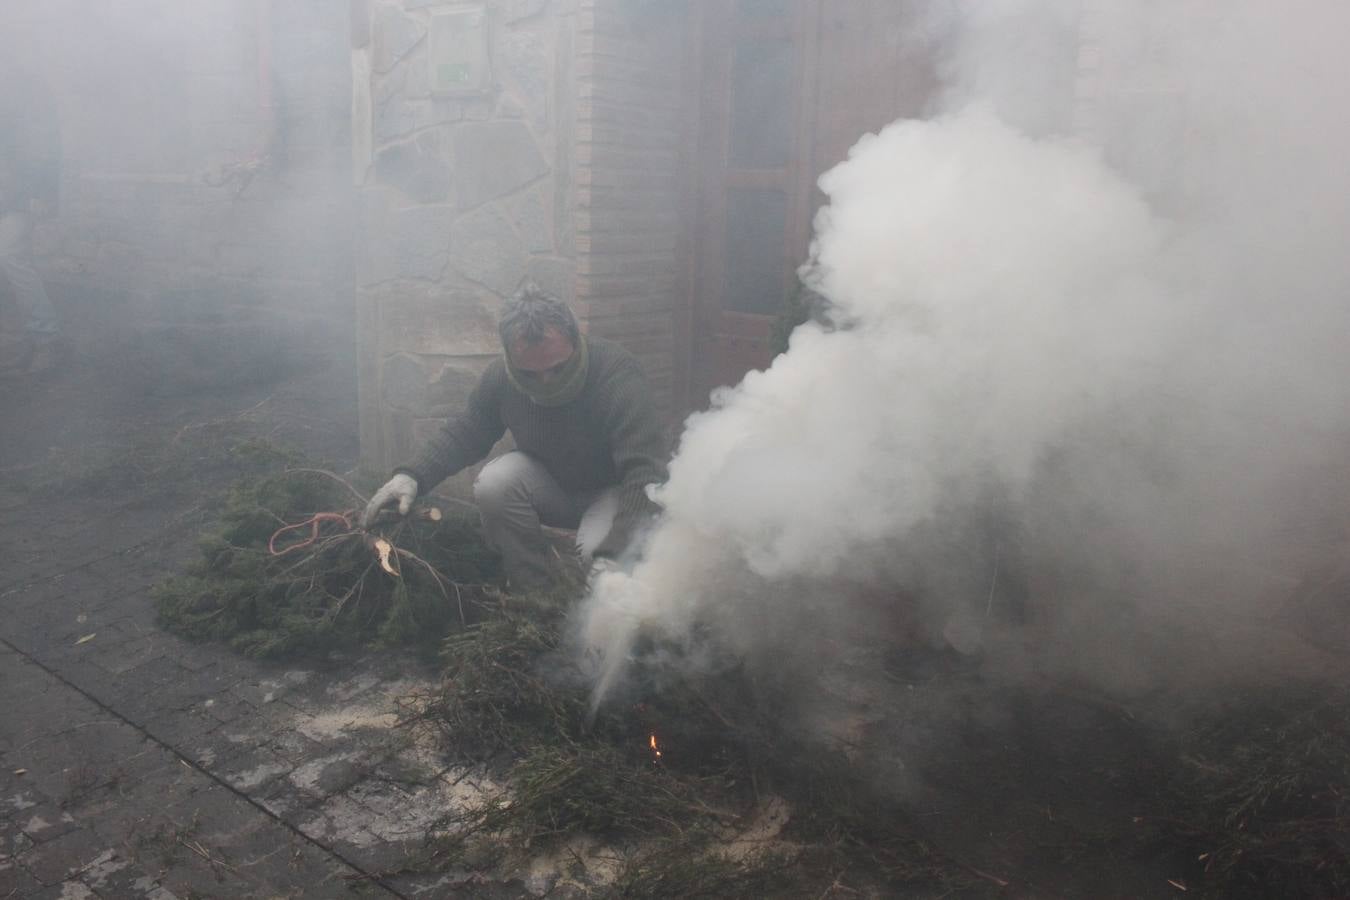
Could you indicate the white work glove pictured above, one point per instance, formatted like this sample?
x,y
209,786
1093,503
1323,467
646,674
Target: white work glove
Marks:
x,y
401,488
600,566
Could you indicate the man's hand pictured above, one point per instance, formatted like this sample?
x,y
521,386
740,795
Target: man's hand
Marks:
x,y
401,489
600,566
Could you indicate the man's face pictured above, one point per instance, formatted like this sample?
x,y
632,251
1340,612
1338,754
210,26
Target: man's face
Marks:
x,y
543,361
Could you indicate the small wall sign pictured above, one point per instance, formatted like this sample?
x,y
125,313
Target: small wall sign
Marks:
x,y
459,63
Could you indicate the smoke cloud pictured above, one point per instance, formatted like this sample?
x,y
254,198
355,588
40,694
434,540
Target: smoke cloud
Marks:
x,y
1084,344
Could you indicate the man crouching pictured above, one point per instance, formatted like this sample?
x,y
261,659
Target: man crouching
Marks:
x,y
588,443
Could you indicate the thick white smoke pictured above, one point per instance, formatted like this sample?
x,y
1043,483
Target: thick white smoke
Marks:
x,y
1158,350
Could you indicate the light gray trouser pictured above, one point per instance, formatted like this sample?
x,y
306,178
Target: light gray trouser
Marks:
x,y
16,265
516,494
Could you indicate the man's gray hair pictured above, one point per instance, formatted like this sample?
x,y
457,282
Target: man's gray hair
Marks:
x,y
529,313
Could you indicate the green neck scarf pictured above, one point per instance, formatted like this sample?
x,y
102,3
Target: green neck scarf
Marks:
x,y
561,390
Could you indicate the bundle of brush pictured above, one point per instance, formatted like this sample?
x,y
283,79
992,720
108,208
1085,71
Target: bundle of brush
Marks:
x,y
512,696
689,783
291,571
1261,795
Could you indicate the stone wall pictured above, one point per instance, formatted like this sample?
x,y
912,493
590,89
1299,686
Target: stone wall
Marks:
x,y
205,169
561,172
463,198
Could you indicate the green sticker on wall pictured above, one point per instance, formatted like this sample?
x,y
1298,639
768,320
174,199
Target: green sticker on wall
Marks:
x,y
453,74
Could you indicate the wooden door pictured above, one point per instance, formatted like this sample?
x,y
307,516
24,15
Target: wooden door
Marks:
x,y
786,87
875,66
753,181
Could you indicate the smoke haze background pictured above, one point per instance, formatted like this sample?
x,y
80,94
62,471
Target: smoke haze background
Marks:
x,y
203,226
1085,357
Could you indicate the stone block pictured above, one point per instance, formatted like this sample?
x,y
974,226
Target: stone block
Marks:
x,y
15,881
510,108
120,658
410,81
163,681
405,770
478,109
401,116
286,801
395,36
448,393
486,249
531,211
113,875
226,709
554,275
339,775
517,10
13,840
326,775
403,382
442,321
337,825
63,857
394,119
177,728
525,59
205,678
46,822
407,243
390,85
418,168
493,159
278,727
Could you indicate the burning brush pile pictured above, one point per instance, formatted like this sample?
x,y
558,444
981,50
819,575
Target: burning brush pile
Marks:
x,y
692,782
686,787
680,788
1259,795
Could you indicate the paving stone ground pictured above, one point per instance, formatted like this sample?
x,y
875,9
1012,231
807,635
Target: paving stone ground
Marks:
x,y
136,764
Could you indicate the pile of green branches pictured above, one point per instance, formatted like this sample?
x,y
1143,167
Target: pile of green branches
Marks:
x,y
290,571
670,778
500,685
1260,795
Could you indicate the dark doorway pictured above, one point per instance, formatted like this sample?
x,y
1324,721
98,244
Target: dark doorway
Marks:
x,y
785,88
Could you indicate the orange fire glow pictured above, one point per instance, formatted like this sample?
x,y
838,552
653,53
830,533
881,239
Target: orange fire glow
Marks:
x,y
656,751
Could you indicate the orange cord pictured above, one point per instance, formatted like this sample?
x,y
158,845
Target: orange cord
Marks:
x,y
314,522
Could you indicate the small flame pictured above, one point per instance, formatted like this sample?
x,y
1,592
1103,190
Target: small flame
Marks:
x,y
656,750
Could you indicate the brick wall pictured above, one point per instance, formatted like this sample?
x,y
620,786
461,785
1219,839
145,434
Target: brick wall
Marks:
x,y
628,137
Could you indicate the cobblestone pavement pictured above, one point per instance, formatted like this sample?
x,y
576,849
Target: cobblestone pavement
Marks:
x,y
135,764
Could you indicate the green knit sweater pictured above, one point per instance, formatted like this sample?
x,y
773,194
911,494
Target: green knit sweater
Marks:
x,y
610,435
